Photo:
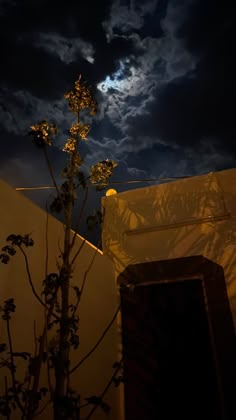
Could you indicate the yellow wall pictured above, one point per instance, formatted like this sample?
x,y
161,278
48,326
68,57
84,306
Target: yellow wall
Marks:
x,y
19,215
193,216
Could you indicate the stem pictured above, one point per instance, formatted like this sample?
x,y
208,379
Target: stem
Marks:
x,y
12,368
62,363
46,243
46,322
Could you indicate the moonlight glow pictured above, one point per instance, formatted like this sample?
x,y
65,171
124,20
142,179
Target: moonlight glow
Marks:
x,y
117,80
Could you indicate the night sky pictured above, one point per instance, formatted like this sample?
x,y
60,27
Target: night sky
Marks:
x,y
162,71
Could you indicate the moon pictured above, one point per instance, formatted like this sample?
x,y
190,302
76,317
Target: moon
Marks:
x,y
115,81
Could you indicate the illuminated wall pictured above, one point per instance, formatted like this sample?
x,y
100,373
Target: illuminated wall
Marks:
x,y
98,304
192,216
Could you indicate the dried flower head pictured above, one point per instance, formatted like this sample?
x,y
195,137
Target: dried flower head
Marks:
x,y
102,171
80,98
70,145
42,133
80,130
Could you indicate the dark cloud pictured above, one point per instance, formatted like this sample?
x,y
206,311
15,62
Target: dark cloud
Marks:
x,y
198,106
206,24
188,109
163,73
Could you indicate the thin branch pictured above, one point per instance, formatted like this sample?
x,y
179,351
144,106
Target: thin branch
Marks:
x,y
43,408
104,391
97,343
46,242
84,405
42,344
37,373
51,172
48,368
85,275
35,340
59,247
78,252
46,312
30,376
49,312
31,282
30,278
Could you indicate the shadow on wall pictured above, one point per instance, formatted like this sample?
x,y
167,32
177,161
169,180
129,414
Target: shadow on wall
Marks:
x,y
195,216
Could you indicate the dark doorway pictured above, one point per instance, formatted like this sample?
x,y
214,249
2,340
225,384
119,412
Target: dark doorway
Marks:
x,y
171,364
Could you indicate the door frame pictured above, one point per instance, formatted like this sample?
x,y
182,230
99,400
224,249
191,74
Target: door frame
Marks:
x,y
220,321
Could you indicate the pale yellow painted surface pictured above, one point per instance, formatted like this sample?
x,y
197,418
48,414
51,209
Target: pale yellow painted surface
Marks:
x,y
99,301
193,216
